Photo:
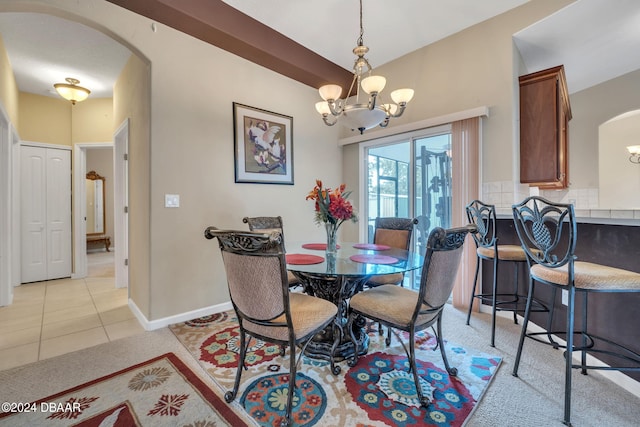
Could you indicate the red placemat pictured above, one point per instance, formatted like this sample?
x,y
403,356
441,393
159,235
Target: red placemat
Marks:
x,y
373,259
317,246
301,259
371,246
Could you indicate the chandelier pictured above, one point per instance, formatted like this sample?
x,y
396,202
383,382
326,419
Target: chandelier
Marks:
x,y
361,115
634,151
71,91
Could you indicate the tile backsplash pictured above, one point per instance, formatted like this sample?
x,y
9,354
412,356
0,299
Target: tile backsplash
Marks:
x,y
503,194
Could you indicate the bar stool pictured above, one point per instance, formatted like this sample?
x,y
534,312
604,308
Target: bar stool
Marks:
x,y
483,216
551,228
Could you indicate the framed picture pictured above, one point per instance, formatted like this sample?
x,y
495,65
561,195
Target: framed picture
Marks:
x,y
263,146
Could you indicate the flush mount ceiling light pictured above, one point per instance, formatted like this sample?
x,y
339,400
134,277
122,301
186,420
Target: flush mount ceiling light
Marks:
x,y
71,91
361,116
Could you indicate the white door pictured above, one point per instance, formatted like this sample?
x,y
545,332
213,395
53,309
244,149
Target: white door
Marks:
x,y
46,213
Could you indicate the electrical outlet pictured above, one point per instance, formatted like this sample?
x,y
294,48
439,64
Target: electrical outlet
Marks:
x,y
565,297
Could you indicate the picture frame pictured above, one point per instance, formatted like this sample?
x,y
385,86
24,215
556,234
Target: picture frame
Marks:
x,y
263,146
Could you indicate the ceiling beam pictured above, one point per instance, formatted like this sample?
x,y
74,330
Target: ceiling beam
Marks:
x,y
219,24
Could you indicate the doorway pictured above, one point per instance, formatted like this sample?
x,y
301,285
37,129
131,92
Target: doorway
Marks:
x,y
411,177
82,152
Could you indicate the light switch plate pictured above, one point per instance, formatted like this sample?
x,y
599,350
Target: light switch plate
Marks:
x,y
171,201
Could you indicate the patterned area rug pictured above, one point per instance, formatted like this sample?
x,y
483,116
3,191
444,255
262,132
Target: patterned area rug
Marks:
x,y
162,391
378,391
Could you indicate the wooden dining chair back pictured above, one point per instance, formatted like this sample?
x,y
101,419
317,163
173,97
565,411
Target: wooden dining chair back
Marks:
x,y
511,299
267,224
548,234
413,311
255,267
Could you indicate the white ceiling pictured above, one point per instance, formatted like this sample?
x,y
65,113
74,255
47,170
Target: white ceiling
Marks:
x,y
391,29
44,49
596,40
590,37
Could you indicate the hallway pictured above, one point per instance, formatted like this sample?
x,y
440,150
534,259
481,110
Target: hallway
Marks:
x,y
55,317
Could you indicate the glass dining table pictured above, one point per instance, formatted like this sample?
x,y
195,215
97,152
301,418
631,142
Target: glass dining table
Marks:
x,y
337,278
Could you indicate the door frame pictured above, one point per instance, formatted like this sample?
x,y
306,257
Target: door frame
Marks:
x,y
121,203
79,205
6,291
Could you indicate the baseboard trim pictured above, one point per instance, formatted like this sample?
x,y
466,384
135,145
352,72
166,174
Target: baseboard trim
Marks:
x,y
618,377
151,325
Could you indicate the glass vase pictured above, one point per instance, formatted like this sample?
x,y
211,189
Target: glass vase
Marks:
x,y
332,231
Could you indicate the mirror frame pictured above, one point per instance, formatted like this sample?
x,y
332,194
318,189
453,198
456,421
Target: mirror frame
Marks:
x,y
92,175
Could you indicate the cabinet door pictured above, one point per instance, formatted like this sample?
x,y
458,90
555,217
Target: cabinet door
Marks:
x,y
538,132
544,116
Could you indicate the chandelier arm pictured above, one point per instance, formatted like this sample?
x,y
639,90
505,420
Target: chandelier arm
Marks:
x,y
336,106
372,100
401,108
385,122
634,158
325,118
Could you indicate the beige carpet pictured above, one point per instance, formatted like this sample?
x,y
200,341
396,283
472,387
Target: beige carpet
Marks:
x,y
532,400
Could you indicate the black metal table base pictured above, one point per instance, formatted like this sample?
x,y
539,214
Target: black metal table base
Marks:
x,y
337,289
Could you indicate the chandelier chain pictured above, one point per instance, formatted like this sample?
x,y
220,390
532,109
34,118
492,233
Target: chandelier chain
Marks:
x,y
361,38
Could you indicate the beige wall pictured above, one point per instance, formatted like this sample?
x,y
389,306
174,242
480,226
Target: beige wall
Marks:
x,y
8,86
132,101
44,119
57,121
591,108
92,121
619,178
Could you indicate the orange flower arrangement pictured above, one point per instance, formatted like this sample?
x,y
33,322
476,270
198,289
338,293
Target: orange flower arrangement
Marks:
x,y
332,206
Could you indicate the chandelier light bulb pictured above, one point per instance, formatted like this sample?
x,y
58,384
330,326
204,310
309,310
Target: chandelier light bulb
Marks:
x,y
373,84
400,96
330,92
323,107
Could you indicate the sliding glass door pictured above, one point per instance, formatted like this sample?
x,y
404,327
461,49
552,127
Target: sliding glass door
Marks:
x,y
410,177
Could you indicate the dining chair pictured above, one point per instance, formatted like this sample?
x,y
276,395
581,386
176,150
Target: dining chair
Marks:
x,y
271,223
256,272
411,310
396,233
483,216
548,234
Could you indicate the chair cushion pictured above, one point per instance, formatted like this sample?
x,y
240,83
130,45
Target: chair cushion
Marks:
x,y
308,314
591,276
505,252
392,304
394,238
385,279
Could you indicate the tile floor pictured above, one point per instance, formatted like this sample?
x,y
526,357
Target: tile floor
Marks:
x,y
55,317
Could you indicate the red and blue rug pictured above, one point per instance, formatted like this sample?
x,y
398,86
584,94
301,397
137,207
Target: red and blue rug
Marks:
x,y
378,391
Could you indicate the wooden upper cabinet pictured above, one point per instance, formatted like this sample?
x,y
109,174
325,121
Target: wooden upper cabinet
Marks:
x,y
544,125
